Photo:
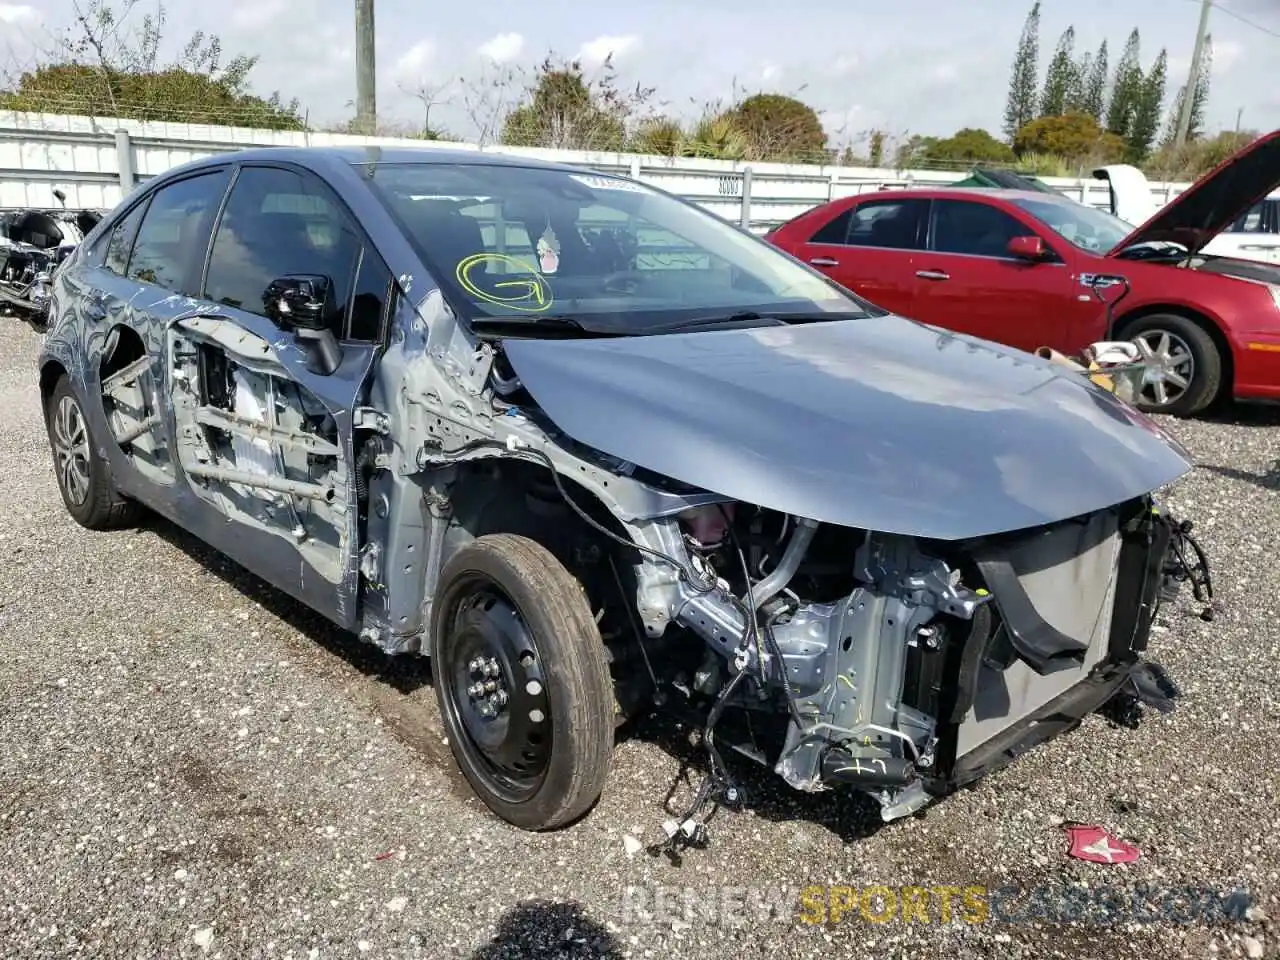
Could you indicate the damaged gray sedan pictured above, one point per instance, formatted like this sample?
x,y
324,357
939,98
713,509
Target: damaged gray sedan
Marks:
x,y
593,451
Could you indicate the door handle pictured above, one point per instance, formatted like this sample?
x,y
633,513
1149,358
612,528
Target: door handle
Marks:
x,y
933,275
824,262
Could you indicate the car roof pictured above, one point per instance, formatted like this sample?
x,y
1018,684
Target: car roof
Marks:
x,y
315,158
925,193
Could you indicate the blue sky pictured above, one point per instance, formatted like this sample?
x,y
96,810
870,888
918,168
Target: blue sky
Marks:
x,y
909,66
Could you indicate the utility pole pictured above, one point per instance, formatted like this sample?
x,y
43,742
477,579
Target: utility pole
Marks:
x,y
366,93
1193,76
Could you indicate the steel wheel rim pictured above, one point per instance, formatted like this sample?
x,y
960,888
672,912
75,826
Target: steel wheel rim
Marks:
x,y
509,750
1170,366
71,450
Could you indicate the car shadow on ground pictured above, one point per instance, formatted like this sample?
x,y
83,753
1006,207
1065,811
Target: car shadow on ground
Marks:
x,y
536,929
848,814
1269,480
405,674
1244,413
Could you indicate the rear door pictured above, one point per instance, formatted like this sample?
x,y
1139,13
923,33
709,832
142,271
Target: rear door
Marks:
x,y
140,275
869,248
967,281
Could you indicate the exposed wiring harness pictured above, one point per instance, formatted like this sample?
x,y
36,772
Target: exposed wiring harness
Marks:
x,y
1180,568
697,582
717,785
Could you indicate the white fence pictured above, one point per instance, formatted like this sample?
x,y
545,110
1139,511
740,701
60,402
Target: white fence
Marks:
x,y
95,161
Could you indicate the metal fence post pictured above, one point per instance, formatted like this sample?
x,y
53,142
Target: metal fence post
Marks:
x,y
124,162
745,216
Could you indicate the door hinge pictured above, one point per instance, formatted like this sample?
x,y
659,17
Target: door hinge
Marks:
x,y
367,418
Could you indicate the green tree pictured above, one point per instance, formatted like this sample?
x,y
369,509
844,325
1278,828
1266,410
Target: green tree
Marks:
x,y
1195,129
1195,158
1148,110
1020,107
661,136
1073,136
719,138
1094,100
567,110
778,127
1126,89
104,65
913,151
1061,79
875,148
968,146
1074,101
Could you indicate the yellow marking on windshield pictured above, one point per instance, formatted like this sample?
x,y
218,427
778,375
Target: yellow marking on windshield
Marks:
x,y
533,293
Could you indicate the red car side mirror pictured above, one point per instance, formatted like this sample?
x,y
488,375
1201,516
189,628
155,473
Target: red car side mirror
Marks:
x,y
1027,248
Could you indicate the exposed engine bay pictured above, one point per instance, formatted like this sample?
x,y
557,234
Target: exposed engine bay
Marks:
x,y
33,243
903,667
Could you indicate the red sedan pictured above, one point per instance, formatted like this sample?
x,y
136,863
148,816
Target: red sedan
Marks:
x,y
1017,267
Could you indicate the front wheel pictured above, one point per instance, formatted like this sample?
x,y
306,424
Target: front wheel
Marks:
x,y
523,684
1184,366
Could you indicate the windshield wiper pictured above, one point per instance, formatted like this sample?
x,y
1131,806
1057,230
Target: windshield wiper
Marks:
x,y
749,317
542,323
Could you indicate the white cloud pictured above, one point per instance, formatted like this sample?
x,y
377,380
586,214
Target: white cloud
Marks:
x,y
843,125
770,72
257,14
502,48
415,63
843,65
595,52
17,13
944,73
1226,54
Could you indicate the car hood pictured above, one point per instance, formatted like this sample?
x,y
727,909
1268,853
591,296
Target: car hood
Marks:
x,y
1213,202
881,423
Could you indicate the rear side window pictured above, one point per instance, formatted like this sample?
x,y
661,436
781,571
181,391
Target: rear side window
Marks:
x,y
1262,217
280,223
120,241
174,235
893,224
976,229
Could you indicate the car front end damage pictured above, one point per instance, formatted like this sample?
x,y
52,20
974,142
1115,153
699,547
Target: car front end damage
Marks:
x,y
903,659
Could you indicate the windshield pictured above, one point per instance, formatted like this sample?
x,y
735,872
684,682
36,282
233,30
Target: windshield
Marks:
x,y
512,242
1086,227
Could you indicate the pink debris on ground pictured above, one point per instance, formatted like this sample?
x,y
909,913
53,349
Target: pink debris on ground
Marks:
x,y
1095,845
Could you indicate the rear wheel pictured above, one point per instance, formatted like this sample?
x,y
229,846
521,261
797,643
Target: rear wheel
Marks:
x,y
522,681
1184,366
83,475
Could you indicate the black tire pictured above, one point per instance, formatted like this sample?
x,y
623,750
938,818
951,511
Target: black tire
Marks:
x,y
509,595
1204,365
82,474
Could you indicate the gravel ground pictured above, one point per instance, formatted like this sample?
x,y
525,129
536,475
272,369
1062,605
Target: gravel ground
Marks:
x,y
193,766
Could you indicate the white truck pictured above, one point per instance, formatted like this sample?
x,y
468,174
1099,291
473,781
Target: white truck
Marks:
x,y
1254,236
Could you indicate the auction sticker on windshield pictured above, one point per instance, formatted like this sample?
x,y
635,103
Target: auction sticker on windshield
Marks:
x,y
609,183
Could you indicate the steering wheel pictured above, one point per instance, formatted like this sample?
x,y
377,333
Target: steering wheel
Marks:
x,y
635,277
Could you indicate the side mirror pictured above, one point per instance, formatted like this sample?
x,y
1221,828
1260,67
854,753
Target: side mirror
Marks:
x,y
1028,248
300,303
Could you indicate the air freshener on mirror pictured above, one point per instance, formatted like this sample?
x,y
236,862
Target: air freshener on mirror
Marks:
x,y
548,251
